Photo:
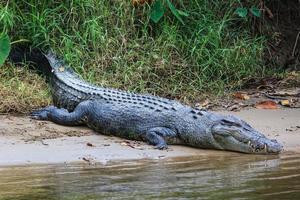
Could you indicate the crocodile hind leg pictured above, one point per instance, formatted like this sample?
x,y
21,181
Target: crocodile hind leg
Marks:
x,y
62,116
156,136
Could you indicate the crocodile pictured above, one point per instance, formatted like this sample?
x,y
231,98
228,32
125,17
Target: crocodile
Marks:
x,y
156,120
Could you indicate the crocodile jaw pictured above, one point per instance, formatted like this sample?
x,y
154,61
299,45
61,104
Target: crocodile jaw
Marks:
x,y
240,138
253,146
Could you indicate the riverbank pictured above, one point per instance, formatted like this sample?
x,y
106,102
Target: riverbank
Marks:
x,y
26,141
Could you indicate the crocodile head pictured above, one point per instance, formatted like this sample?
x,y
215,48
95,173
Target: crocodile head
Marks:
x,y
231,133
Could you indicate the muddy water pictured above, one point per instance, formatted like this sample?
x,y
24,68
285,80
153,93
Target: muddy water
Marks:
x,y
231,176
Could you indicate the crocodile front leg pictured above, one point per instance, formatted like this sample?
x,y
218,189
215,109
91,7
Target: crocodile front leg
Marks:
x,y
62,116
156,136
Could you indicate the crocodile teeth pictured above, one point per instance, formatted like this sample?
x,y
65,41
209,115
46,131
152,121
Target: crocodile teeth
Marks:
x,y
249,143
265,148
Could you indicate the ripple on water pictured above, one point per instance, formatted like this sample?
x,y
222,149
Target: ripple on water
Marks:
x,y
228,176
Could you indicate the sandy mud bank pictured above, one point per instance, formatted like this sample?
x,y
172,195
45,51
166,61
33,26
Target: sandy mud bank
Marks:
x,y
26,141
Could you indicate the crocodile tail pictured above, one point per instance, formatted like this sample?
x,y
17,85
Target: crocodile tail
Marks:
x,y
37,59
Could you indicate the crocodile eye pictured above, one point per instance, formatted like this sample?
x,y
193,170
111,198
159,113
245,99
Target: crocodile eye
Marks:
x,y
230,123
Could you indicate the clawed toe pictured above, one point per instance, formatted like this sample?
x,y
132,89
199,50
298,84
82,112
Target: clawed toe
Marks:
x,y
34,116
41,114
161,146
36,112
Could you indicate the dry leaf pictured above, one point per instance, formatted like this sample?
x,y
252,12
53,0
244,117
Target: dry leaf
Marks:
x,y
123,144
89,159
292,93
240,95
266,105
293,128
86,159
129,144
89,144
205,103
285,102
234,107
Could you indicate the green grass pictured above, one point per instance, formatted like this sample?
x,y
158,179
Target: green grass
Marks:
x,y
21,91
114,44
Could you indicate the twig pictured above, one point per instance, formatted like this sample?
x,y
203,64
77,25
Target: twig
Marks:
x,y
21,40
272,97
295,45
269,12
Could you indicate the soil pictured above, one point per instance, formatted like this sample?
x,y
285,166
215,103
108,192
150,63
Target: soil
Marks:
x,y
270,93
281,23
27,141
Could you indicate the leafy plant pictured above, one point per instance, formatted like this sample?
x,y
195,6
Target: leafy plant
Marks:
x,y
108,45
255,11
4,47
243,12
159,7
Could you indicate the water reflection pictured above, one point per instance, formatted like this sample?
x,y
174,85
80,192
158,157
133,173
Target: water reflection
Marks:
x,y
230,176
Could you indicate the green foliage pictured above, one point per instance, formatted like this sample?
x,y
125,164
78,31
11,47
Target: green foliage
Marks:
x,y
243,12
115,45
21,90
255,11
157,11
159,8
6,16
4,47
6,22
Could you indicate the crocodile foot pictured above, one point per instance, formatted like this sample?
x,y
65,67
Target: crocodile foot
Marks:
x,y
161,146
42,114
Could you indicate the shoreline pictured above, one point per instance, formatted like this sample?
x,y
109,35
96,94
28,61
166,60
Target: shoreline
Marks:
x,y
24,141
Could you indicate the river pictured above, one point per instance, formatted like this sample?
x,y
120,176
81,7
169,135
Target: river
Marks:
x,y
227,176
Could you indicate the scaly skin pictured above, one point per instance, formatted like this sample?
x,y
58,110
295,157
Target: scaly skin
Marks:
x,y
156,120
